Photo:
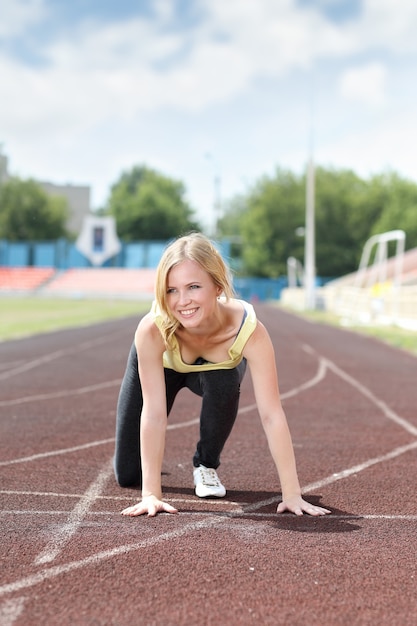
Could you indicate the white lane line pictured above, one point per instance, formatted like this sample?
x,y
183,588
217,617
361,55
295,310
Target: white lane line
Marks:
x,y
54,494
57,354
10,610
192,422
61,394
355,469
368,394
44,455
231,514
360,467
85,446
54,513
55,571
316,379
329,518
321,374
51,494
386,410
9,364
69,528
52,572
111,383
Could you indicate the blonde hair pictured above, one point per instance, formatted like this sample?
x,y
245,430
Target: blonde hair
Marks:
x,y
194,247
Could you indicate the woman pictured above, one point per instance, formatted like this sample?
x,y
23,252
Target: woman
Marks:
x,y
198,336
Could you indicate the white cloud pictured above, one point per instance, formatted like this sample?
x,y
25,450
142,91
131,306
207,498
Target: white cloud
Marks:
x,y
17,15
272,37
377,148
105,90
124,68
100,69
365,84
389,25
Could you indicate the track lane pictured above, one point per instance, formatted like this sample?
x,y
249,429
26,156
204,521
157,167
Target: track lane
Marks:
x,y
349,402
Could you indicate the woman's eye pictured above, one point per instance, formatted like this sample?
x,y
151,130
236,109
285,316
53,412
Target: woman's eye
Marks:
x,y
171,290
194,286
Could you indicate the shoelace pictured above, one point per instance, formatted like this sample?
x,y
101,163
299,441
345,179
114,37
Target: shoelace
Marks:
x,y
209,477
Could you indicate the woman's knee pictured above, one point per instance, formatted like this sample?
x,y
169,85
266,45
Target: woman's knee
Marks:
x,y
127,477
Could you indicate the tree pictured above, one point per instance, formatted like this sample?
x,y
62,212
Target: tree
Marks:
x,y
229,228
229,225
345,215
27,213
275,209
348,210
147,206
398,199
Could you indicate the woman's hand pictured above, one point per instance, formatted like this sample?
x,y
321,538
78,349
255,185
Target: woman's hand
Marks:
x,y
150,505
297,505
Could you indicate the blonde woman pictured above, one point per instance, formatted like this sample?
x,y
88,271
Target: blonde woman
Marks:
x,y
197,335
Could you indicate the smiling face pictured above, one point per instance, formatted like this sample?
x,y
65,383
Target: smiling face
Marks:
x,y
191,294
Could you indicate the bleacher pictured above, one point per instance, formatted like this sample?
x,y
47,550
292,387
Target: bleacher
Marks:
x,y
24,279
118,282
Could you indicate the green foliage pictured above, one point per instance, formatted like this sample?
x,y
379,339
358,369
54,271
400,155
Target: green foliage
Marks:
x,y
344,216
399,206
149,206
275,211
348,211
27,213
229,226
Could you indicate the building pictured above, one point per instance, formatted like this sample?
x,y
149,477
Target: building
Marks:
x,y
77,196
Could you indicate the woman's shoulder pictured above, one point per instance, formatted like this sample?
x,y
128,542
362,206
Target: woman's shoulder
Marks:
x,y
148,331
237,304
258,342
245,308
151,319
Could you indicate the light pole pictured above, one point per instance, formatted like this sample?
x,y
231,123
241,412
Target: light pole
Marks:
x,y
310,236
309,242
217,202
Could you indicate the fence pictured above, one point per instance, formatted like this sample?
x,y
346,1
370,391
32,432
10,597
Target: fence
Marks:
x,y
63,254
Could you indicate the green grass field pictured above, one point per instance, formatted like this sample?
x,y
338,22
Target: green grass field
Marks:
x,y
23,317
392,335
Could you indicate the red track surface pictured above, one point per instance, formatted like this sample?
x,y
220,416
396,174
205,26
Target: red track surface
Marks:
x,y
69,557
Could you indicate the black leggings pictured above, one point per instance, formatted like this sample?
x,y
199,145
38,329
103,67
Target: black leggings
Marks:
x,y
219,390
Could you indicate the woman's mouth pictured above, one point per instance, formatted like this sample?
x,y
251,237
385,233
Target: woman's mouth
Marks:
x,y
188,312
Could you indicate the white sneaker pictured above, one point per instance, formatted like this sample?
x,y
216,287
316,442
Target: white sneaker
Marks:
x,y
207,483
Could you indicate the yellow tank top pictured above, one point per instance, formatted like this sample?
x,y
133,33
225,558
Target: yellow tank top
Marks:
x,y
172,358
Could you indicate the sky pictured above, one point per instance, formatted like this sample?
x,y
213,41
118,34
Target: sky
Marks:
x,y
214,93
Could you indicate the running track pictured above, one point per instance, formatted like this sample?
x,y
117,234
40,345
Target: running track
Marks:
x,y
70,558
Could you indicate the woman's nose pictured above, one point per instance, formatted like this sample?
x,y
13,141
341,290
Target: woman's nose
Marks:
x,y
184,297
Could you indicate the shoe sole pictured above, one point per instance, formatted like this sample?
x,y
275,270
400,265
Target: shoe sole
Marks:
x,y
210,495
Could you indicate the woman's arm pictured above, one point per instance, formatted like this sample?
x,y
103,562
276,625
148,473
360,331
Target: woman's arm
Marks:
x,y
260,355
150,348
